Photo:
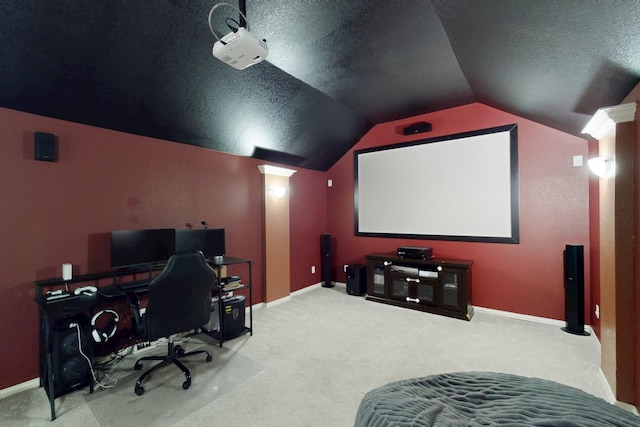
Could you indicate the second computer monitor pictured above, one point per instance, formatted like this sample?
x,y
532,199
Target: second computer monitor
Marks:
x,y
210,241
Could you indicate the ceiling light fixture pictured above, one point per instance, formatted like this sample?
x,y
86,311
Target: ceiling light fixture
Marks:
x,y
239,48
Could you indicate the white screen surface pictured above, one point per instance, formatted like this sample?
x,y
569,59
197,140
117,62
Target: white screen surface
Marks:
x,y
459,187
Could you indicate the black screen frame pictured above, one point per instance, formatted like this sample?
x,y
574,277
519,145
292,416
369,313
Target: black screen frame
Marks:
x,y
401,176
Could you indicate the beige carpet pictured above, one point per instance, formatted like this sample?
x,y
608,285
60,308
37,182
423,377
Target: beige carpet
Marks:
x,y
312,359
164,400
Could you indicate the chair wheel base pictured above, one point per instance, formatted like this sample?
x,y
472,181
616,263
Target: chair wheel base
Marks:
x,y
186,384
139,391
209,358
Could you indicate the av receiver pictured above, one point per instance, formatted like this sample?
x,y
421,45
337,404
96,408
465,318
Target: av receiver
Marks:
x,y
414,252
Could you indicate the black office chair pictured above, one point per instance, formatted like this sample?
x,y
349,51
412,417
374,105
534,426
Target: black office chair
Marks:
x,y
179,300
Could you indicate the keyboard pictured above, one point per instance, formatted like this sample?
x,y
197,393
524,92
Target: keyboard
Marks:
x,y
130,286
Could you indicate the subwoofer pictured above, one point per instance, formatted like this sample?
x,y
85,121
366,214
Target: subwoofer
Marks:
x,y
325,252
70,368
574,289
356,279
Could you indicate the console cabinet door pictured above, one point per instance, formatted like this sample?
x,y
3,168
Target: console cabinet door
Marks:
x,y
452,289
426,291
399,286
377,283
414,287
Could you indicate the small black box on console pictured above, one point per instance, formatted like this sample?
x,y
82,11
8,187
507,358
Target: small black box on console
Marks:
x,y
415,252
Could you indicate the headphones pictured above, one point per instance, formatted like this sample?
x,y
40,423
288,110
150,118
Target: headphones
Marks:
x,y
86,290
103,335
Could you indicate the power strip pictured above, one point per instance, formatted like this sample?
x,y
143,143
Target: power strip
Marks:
x,y
143,346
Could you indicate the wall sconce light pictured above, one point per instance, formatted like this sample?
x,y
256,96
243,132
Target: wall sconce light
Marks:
x,y
277,192
604,167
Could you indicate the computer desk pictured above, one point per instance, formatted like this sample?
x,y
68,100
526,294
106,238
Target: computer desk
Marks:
x,y
113,287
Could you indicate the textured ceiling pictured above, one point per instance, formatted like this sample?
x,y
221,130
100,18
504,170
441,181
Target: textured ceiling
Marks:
x,y
335,68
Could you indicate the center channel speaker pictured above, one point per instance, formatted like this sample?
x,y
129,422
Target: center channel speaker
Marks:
x,y
325,261
574,289
417,128
70,368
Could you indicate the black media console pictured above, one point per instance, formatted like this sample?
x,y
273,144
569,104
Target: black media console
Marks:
x,y
436,285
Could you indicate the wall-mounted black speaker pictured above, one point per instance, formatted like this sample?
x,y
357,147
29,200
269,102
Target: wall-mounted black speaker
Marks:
x,y
574,289
45,147
325,261
417,128
357,279
70,368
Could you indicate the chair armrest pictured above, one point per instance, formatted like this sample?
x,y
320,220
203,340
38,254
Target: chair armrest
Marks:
x,y
134,302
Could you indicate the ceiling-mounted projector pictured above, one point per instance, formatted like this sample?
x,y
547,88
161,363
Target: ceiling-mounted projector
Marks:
x,y
240,49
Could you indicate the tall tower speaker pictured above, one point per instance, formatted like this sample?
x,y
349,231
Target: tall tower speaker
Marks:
x,y
325,252
70,369
574,289
356,279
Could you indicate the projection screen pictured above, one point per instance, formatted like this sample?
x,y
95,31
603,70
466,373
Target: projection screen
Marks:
x,y
457,187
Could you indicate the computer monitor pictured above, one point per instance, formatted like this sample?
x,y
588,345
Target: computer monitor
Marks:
x,y
210,241
134,248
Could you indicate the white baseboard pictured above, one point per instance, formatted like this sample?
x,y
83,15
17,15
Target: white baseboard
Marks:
x,y
298,292
278,301
307,289
519,316
611,398
19,388
292,294
627,407
529,318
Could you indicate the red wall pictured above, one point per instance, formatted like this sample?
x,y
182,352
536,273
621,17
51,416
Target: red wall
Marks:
x,y
53,213
523,278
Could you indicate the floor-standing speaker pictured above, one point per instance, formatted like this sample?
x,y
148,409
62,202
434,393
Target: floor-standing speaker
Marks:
x,y
574,289
325,252
70,368
356,279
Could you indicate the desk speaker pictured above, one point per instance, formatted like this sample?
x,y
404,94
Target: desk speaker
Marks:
x,y
70,369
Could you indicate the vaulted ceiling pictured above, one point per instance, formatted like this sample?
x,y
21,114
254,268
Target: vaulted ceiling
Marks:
x,y
335,68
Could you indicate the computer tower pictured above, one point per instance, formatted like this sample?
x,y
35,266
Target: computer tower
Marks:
x,y
69,368
356,279
233,316
214,320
